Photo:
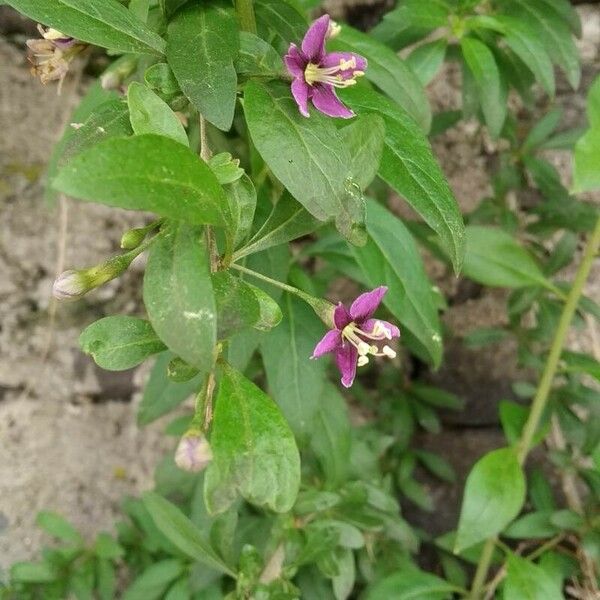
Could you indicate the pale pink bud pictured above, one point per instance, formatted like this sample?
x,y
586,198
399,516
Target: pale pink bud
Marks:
x,y
193,453
70,285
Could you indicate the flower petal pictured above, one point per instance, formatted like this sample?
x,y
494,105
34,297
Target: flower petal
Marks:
x,y
325,100
346,357
300,90
295,62
369,325
313,44
330,341
366,304
341,317
334,59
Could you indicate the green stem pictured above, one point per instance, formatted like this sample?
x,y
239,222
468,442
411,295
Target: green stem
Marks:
x,y
322,308
543,391
245,13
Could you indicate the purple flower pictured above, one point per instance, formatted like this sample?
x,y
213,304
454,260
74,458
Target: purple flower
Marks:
x,y
357,335
317,73
193,452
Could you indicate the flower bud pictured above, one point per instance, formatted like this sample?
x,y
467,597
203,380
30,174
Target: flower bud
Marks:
x,y
133,238
70,285
193,453
116,74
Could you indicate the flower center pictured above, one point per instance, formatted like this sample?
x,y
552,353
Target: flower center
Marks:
x,y
360,340
342,75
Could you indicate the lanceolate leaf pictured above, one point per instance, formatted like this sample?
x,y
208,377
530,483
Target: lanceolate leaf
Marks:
x,y
527,581
587,149
391,258
182,533
254,451
146,172
492,95
389,72
178,294
105,23
282,18
494,258
408,165
494,494
307,155
295,381
120,342
411,584
201,45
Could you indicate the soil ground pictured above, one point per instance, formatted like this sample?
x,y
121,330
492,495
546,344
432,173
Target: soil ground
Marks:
x,y
68,437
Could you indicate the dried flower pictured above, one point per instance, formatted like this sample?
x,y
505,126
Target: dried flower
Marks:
x,y
317,73
193,453
51,56
356,335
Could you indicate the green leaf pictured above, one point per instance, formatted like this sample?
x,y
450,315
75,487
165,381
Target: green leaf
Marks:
x,y
241,196
161,394
552,30
257,57
178,294
104,23
533,525
330,437
427,59
237,305
58,527
307,155
154,581
364,138
527,581
409,167
106,579
150,114
494,495
483,67
343,580
107,547
388,72
288,221
391,258
182,533
284,19
295,381
542,129
437,465
146,172
411,584
29,572
587,150
522,39
513,417
494,258
118,343
202,43
254,452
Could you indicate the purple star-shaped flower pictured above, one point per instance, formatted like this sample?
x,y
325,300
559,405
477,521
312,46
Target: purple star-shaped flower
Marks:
x,y
357,335
317,73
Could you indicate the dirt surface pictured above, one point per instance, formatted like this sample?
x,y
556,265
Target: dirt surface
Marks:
x,y
68,438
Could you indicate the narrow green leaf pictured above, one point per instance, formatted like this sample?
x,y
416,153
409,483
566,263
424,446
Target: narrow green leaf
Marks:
x,y
391,258
587,150
528,581
411,584
182,533
153,582
494,495
201,45
254,452
295,381
146,172
426,60
58,527
178,295
120,342
408,165
104,23
494,258
150,114
388,72
483,67
307,155
523,41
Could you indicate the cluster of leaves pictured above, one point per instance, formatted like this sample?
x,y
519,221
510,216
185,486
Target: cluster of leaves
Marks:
x,y
296,502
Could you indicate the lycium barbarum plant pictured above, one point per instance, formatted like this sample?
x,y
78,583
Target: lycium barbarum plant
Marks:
x,y
267,145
